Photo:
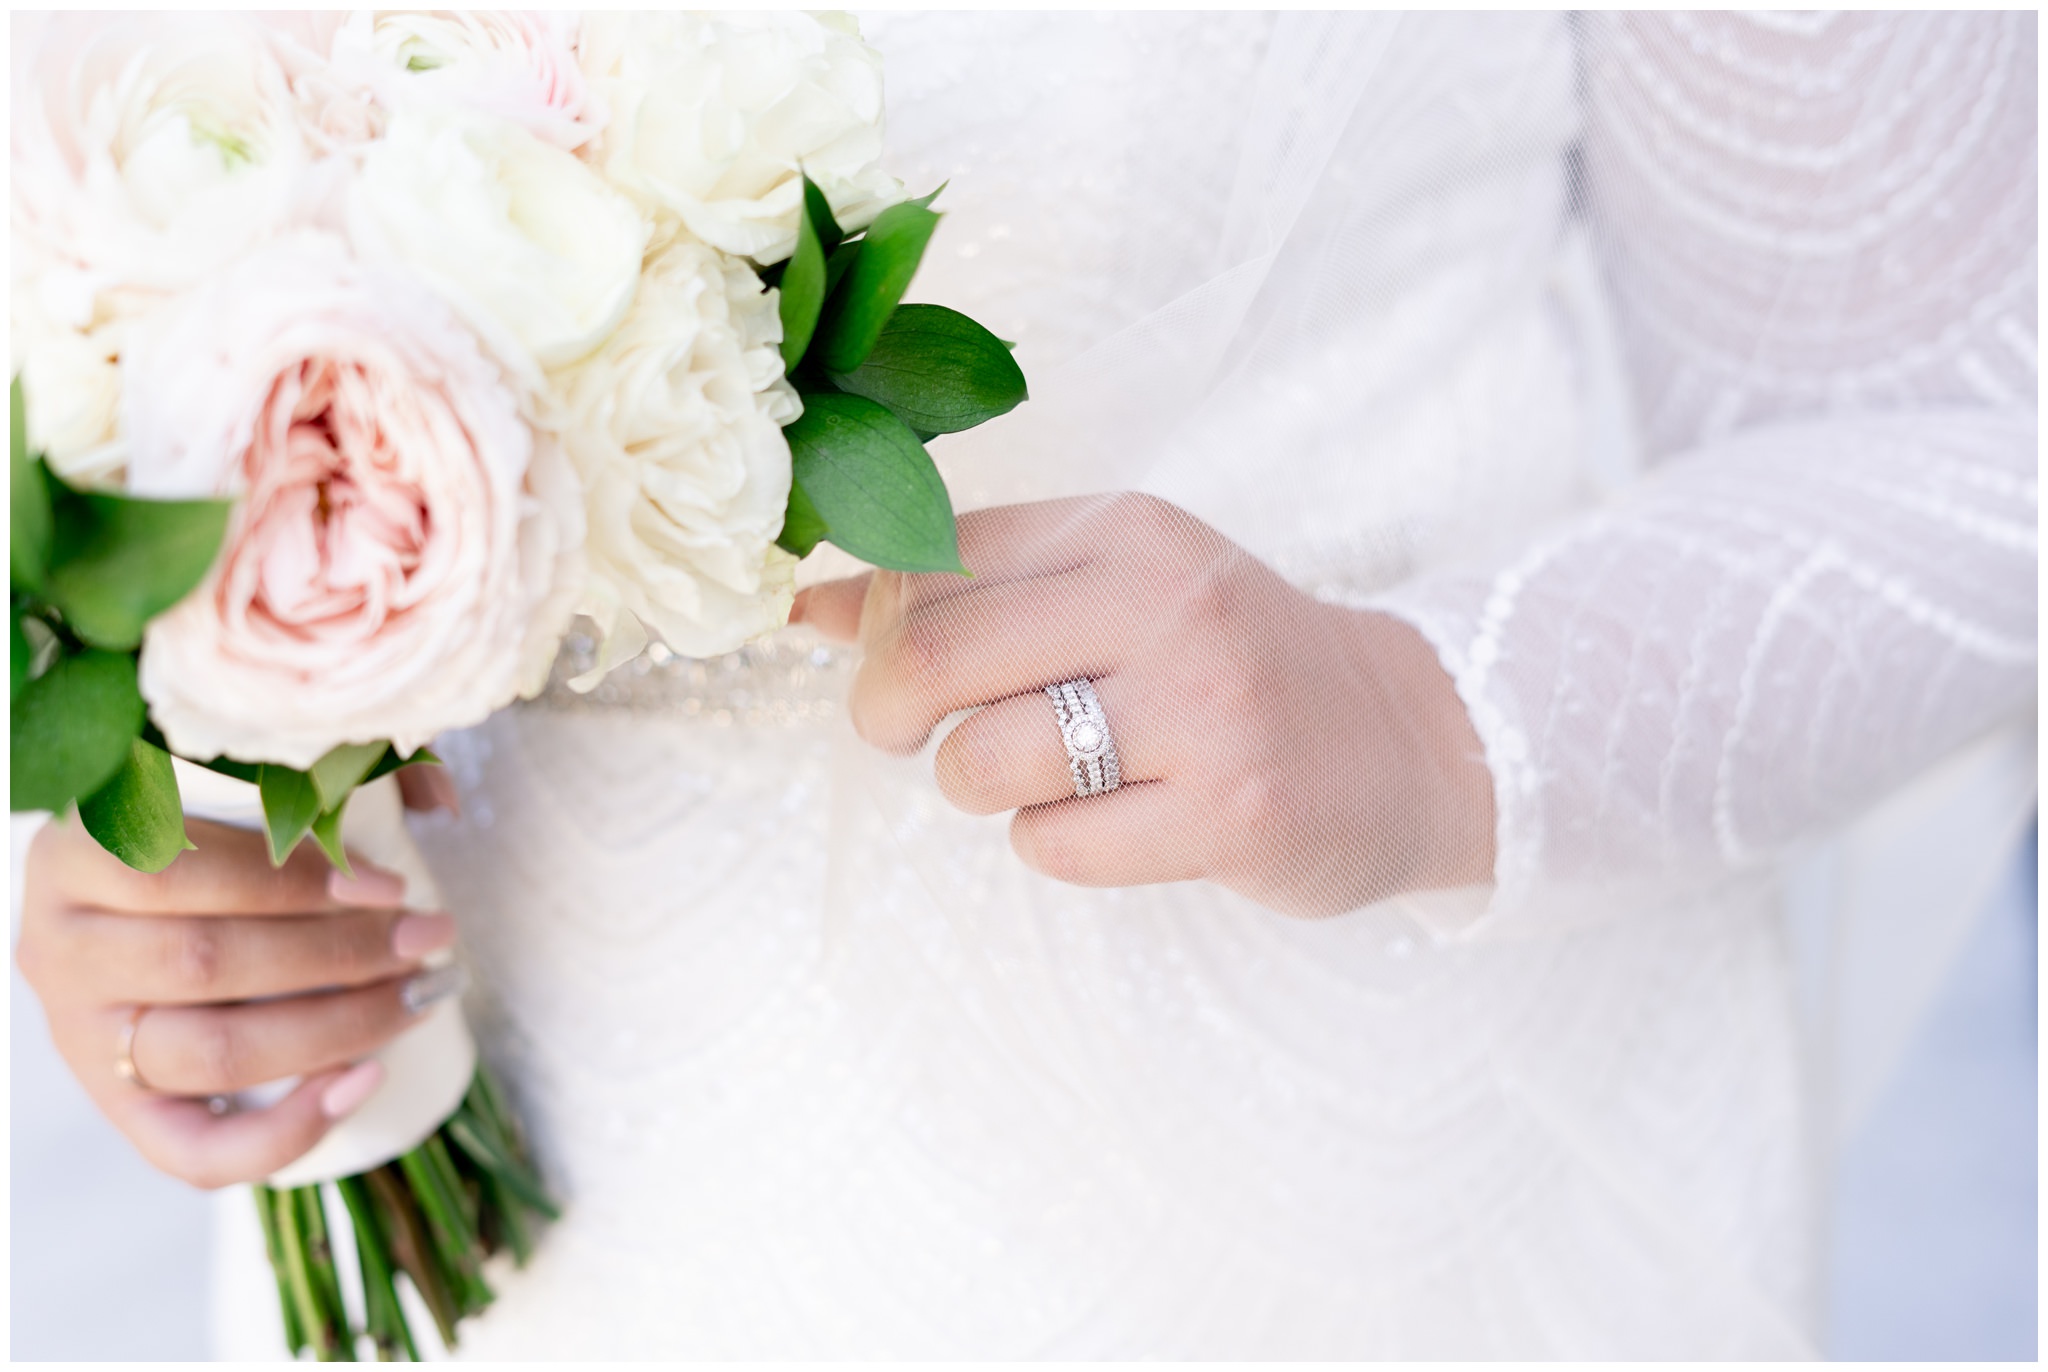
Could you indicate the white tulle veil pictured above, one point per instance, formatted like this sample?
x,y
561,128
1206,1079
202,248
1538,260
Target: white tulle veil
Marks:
x,y
1404,264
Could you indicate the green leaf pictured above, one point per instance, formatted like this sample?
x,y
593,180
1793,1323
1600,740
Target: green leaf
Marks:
x,y
20,656
924,202
803,285
818,210
872,484
250,772
342,768
836,266
290,805
71,728
137,816
857,310
327,833
28,536
393,761
802,528
117,562
938,371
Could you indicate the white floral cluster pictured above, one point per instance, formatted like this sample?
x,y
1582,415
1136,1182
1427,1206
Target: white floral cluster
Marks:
x,y
461,308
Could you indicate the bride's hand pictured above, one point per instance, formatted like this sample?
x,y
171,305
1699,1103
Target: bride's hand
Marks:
x,y
231,973
1311,757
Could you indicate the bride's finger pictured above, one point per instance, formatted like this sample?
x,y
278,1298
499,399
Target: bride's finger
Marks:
x,y
1015,542
1010,754
832,607
1042,539
189,1141
1136,835
204,1050
201,959
1047,537
996,641
228,873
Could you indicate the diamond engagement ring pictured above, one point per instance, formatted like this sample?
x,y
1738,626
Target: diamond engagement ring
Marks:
x,y
1090,753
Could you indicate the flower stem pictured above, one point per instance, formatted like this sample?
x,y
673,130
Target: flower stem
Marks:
x,y
273,1244
383,1317
320,1335
326,1281
450,1229
410,1247
434,1214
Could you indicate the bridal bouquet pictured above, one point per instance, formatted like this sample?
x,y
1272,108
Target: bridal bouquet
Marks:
x,y
356,356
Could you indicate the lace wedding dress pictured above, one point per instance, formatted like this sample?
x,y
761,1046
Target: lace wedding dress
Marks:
x,y
1674,376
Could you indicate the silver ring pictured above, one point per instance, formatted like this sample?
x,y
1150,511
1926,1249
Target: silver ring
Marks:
x,y
1091,754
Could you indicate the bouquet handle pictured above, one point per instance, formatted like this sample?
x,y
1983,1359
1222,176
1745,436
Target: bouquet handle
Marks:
x,y
427,1068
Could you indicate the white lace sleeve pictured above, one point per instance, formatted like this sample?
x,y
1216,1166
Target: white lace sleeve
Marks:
x,y
1820,238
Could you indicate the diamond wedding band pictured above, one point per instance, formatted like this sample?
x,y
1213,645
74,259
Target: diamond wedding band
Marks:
x,y
1090,753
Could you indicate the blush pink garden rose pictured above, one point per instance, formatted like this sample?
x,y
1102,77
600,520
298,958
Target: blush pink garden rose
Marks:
x,y
404,553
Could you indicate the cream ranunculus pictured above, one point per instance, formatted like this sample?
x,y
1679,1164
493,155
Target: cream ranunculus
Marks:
x,y
147,151
534,249
402,558
675,427
516,65
711,115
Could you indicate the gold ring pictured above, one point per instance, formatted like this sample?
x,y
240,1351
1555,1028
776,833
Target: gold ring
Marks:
x,y
124,1061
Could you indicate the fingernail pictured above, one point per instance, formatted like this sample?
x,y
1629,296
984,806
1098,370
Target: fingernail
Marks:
x,y
369,886
431,987
351,1089
415,936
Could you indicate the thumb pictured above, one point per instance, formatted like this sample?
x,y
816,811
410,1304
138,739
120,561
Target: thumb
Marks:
x,y
833,607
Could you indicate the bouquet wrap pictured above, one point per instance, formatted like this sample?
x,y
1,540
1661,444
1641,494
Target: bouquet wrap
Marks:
x,y
428,1068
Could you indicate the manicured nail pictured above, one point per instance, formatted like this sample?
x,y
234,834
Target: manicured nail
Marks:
x,y
349,1090
415,936
369,886
433,986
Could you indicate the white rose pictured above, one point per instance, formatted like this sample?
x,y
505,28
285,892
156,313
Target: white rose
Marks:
x,y
403,555
147,151
711,115
675,426
528,243
515,65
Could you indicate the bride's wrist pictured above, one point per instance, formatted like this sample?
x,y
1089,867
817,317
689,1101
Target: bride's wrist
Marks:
x,y
1427,765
